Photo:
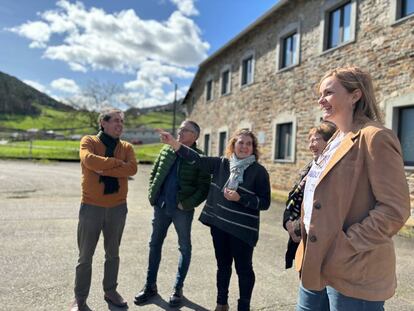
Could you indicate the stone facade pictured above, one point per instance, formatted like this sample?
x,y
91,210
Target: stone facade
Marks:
x,y
381,44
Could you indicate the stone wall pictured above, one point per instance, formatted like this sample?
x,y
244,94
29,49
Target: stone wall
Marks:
x,y
383,48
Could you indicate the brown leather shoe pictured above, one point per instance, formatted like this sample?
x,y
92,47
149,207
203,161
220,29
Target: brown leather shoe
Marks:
x,y
222,308
79,305
115,298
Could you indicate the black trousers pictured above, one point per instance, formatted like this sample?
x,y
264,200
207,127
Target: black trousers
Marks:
x,y
228,248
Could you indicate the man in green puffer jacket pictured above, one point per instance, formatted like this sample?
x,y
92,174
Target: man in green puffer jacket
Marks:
x,y
176,187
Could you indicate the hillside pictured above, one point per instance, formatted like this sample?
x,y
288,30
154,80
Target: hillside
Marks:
x,y
18,98
22,107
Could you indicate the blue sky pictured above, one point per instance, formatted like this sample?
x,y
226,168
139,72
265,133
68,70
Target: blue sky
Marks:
x,y
142,45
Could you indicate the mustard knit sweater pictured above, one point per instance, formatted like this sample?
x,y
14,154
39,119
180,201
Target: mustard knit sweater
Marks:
x,y
94,163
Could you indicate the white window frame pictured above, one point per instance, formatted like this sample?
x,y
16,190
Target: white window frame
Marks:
x,y
282,119
207,132
327,8
245,57
212,89
224,69
222,130
283,34
395,13
392,107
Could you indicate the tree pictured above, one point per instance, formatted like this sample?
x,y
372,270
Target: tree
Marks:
x,y
96,96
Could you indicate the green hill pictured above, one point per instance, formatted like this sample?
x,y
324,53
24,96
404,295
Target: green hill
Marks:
x,y
22,107
16,97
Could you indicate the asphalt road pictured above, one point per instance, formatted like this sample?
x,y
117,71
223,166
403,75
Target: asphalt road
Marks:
x,y
38,220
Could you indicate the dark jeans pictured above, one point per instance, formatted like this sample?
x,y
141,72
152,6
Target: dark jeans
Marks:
x,y
330,299
182,221
93,220
227,248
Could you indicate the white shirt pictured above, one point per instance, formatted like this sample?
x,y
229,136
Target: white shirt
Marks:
x,y
313,176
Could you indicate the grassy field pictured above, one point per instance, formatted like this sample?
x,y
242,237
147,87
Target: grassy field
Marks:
x,y
64,150
69,123
49,119
78,122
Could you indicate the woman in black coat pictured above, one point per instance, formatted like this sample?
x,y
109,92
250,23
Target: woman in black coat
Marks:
x,y
239,190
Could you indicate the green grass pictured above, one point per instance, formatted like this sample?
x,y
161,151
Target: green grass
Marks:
x,y
64,150
65,144
50,119
48,150
148,152
75,122
78,122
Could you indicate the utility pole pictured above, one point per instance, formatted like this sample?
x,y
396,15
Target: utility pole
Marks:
x,y
174,108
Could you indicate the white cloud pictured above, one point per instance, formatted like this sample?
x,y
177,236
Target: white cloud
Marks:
x,y
38,32
154,78
92,39
154,74
38,86
186,7
65,85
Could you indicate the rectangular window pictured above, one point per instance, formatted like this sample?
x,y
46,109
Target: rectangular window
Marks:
x,y
209,90
339,30
225,82
222,143
206,144
407,8
247,71
406,133
289,50
283,150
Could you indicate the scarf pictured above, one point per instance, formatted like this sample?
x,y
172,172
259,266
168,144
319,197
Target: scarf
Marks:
x,y
237,168
111,183
295,197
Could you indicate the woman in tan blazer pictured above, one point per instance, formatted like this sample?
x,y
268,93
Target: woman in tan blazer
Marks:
x,y
356,198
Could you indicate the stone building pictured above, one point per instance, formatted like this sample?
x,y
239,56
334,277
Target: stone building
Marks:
x,y
265,77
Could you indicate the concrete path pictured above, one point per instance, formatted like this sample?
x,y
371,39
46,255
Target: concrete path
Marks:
x,y
38,220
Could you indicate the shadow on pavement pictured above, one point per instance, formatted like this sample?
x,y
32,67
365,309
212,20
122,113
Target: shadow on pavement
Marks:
x,y
112,307
163,304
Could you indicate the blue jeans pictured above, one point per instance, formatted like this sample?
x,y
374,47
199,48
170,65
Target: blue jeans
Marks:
x,y
330,299
182,221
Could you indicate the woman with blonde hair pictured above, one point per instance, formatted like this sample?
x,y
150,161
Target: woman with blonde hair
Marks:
x,y
355,200
239,190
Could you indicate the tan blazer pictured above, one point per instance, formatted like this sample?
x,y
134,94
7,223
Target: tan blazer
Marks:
x,y
360,202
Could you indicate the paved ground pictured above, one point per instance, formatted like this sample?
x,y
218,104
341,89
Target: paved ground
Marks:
x,y
38,219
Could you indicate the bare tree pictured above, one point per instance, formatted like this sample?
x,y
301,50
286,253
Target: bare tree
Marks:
x,y
94,97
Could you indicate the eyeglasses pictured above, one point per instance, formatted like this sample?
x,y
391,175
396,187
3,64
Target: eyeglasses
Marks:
x,y
184,129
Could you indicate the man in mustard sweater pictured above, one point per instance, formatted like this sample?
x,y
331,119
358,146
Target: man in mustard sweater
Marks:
x,y
106,163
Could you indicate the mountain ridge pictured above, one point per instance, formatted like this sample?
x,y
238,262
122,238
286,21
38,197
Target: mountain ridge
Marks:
x,y
17,97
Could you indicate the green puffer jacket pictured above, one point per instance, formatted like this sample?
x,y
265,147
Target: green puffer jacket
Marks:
x,y
193,183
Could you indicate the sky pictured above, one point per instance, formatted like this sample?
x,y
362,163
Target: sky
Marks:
x,y
143,46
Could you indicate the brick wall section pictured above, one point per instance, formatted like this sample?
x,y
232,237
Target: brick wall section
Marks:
x,y
385,50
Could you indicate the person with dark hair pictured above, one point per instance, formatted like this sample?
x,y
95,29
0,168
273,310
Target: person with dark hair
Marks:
x,y
239,190
106,163
318,139
176,187
356,199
